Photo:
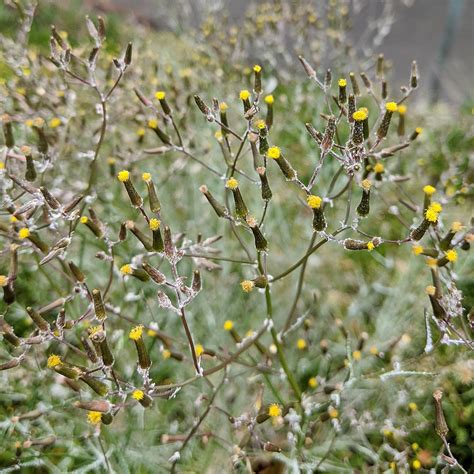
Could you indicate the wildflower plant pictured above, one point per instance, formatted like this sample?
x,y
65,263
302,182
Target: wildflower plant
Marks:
x,y
150,232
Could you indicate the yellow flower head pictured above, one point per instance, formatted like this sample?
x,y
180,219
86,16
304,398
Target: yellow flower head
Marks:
x,y
436,206
418,130
13,219
413,407
373,350
199,350
269,99
257,68
136,333
366,184
391,106
342,83
314,202
247,285
431,262
402,109
379,168
94,417
141,132
451,255
301,344
244,94
313,382
153,123
138,394
84,220
38,122
417,249
274,410
333,413
430,290
3,280
431,215
53,361
429,190
260,124
146,177
111,160
223,106
23,233
274,152
232,183
357,355
123,176
359,115
160,95
456,226
166,354
228,325
416,464
126,269
55,122
93,330
370,246
154,224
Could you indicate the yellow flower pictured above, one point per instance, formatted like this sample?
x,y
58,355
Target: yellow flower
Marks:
x,y
154,224
342,83
418,130
429,190
29,122
301,344
138,394
456,226
126,269
160,95
391,106
84,220
379,168
431,262
416,464
166,354
111,160
223,106
141,132
274,152
146,177
247,285
373,350
38,122
366,184
153,123
244,94
13,219
199,350
53,361
436,206
357,355
415,446
123,176
370,246
257,68
94,417
2,165
359,115
232,183
417,249
228,325
312,382
333,413
274,410
136,333
451,255
413,407
218,135
260,124
23,233
3,280
269,99
431,215
55,122
314,202
430,290
402,109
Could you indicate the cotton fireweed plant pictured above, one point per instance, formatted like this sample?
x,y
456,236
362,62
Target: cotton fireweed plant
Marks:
x,y
83,332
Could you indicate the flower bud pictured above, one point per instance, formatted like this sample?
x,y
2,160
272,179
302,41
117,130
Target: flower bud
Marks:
x,y
363,208
265,187
39,321
99,306
135,198
240,206
219,209
143,358
260,242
